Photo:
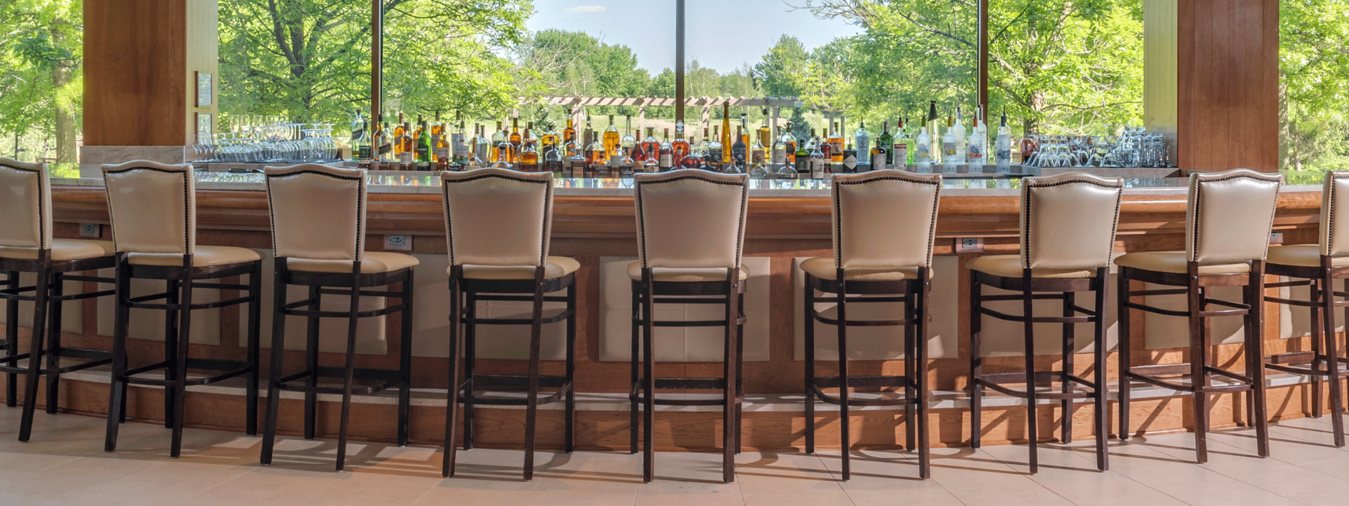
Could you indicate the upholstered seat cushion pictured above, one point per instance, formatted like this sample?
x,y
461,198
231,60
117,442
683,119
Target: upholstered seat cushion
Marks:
x,y
373,263
824,268
206,256
1009,266
666,274
557,267
63,249
1302,255
1174,262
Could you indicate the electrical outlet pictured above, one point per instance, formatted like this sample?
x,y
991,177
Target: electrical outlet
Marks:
x,y
969,245
91,230
1276,237
398,243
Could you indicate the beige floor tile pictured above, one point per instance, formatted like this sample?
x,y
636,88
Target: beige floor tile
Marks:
x,y
369,491
166,484
581,498
977,478
1070,471
776,473
70,479
265,486
1180,477
799,498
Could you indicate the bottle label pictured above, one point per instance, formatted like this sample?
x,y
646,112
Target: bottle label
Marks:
x,y
863,144
758,157
405,158
578,169
779,156
878,161
443,153
666,160
901,156
385,149
850,163
817,166
363,153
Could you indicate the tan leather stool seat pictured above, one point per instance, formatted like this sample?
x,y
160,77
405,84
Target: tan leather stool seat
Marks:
x,y
825,268
557,267
1302,255
374,262
676,275
64,249
1009,266
1174,262
205,256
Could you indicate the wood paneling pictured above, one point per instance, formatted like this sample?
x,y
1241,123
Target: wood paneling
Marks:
x,y
1228,84
135,73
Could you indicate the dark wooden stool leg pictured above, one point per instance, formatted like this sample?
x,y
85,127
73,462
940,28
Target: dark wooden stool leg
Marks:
x,y
740,368
1100,390
845,439
532,401
732,381
1069,349
35,348
171,351
634,423
976,361
1198,359
254,336
278,352
1032,422
1318,351
1331,353
452,402
11,339
311,355
349,367
648,379
910,364
1255,350
920,374
405,358
569,422
54,337
117,390
184,338
1123,354
470,361
809,311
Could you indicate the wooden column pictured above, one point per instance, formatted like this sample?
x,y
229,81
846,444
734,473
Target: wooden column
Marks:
x,y
1227,104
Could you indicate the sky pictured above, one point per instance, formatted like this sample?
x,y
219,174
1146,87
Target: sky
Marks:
x,y
721,34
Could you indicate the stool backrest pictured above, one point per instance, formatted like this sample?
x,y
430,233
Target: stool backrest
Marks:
x,y
497,216
1068,221
691,219
317,212
25,205
884,219
1334,220
152,206
1230,215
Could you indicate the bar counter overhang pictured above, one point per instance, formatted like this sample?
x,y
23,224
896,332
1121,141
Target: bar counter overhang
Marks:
x,y
597,227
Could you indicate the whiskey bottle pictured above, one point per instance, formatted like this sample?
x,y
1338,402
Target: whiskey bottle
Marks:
x,y
597,160
461,150
362,144
765,133
497,138
779,153
612,140
849,159
836,145
802,160
738,149
715,150
622,163
679,148
666,152
789,141
437,132
407,150
726,141
384,151
704,148
569,134
516,141
549,139
398,131
503,154
529,157
552,160
576,161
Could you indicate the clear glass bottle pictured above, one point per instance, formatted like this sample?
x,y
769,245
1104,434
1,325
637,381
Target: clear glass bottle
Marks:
x,y
962,140
880,154
901,148
922,156
948,148
715,150
694,160
779,152
666,152
862,141
498,137
628,141
1004,154
789,141
819,164
363,145
552,159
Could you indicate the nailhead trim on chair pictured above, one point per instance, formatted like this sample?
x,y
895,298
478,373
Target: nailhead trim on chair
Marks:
x,y
359,254
740,232
1029,183
547,210
838,212
187,203
41,219
1330,208
1198,192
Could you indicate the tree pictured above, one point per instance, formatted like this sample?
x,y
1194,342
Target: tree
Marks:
x,y
41,86
1313,85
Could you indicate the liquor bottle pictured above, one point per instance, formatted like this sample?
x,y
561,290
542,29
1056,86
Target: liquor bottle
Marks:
x,y
666,152
516,140
576,160
789,141
358,128
704,148
680,147
1004,155
802,160
503,153
408,150
531,135
922,156
611,139
901,149
884,146
818,162
934,130
482,147
974,157
529,157
651,147
836,145
549,139
623,164
738,149
637,154
440,146
693,160
461,149
779,152
981,128
765,133
962,141
569,134
398,131
862,141
715,150
726,140
384,143
422,139
758,152
850,159
744,124
497,138
552,159
628,140
363,148
948,148
597,160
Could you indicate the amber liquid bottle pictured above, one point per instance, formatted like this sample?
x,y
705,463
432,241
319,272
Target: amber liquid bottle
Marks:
x,y
515,140
611,139
680,147
529,156
569,134
836,145
398,131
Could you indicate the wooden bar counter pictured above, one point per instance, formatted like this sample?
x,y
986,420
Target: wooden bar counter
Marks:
x,y
594,223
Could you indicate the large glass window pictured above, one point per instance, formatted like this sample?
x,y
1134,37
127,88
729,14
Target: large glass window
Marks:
x,y
41,80
1314,85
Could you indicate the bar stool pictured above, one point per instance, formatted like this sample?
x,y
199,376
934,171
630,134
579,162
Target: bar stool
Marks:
x,y
153,212
877,259
26,245
318,238
1317,266
1067,235
690,235
505,258
1227,226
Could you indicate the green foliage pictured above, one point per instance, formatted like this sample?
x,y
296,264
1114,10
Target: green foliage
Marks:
x,y
41,85
1314,85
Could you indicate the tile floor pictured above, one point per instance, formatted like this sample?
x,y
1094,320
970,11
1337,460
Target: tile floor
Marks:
x,y
65,465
